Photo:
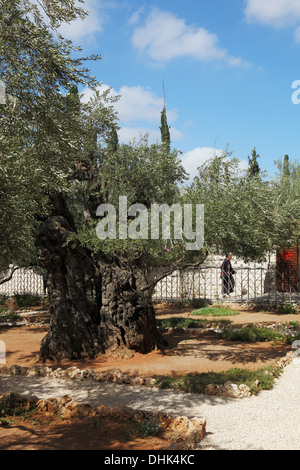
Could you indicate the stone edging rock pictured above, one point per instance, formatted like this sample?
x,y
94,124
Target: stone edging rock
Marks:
x,y
231,390
74,373
228,389
184,433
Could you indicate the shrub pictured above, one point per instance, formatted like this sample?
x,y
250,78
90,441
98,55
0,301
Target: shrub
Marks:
x,y
286,308
262,379
27,300
10,406
252,334
8,316
178,322
145,428
3,299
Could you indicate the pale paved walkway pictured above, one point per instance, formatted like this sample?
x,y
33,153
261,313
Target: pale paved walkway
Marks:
x,y
269,421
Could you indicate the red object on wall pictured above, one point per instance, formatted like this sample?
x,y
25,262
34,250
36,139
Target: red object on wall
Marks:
x,y
287,269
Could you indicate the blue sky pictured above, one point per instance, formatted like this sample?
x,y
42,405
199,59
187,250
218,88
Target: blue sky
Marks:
x,y
227,65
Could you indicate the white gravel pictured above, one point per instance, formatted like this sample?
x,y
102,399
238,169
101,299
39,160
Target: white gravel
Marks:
x,y
269,421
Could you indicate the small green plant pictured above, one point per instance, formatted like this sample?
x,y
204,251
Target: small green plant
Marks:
x,y
4,422
257,333
3,299
285,308
8,316
262,379
197,303
252,333
10,406
215,312
145,428
179,322
27,300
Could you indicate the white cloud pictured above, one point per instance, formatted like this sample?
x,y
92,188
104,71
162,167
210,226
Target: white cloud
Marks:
x,y
164,37
138,103
193,159
89,26
139,109
273,12
136,16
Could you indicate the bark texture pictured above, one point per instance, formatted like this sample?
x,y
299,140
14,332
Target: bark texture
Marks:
x,y
96,305
75,299
127,313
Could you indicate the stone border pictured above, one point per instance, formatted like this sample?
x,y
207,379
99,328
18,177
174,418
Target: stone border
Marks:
x,y
228,389
184,433
74,373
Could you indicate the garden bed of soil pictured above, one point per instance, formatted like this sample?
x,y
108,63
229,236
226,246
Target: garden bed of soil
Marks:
x,y
44,433
52,424
188,352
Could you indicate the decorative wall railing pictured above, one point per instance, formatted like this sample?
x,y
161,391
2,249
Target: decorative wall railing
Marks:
x,y
23,282
256,284
252,284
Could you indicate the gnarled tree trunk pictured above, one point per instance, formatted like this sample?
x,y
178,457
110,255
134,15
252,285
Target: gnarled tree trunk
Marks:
x,y
75,299
96,306
127,313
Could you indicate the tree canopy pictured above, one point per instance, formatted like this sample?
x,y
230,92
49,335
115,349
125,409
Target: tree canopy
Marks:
x,y
37,148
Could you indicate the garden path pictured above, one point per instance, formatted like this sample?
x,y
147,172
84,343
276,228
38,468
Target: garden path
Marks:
x,y
269,421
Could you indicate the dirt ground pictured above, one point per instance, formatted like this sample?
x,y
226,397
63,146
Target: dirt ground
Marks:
x,y
43,433
187,352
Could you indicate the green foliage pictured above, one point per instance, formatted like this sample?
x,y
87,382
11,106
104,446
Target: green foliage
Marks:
x,y
253,168
146,428
40,134
165,130
8,316
10,406
3,298
285,308
215,312
248,217
252,334
262,379
179,322
27,300
259,333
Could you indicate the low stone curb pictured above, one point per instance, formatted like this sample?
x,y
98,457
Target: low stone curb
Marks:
x,y
231,390
74,373
184,433
228,389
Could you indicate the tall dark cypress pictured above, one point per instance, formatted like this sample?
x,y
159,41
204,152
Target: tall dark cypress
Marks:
x,y
253,169
165,129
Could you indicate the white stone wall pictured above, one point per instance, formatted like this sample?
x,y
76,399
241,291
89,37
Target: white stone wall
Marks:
x,y
252,280
23,282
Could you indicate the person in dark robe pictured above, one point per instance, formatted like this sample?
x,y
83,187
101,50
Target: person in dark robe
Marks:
x,y
227,273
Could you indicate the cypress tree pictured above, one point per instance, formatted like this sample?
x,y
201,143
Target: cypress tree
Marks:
x,y
253,169
165,129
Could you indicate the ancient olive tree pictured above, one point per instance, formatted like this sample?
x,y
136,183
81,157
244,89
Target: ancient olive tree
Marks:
x,y
60,161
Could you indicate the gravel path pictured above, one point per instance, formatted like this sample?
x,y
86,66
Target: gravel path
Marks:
x,y
269,421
